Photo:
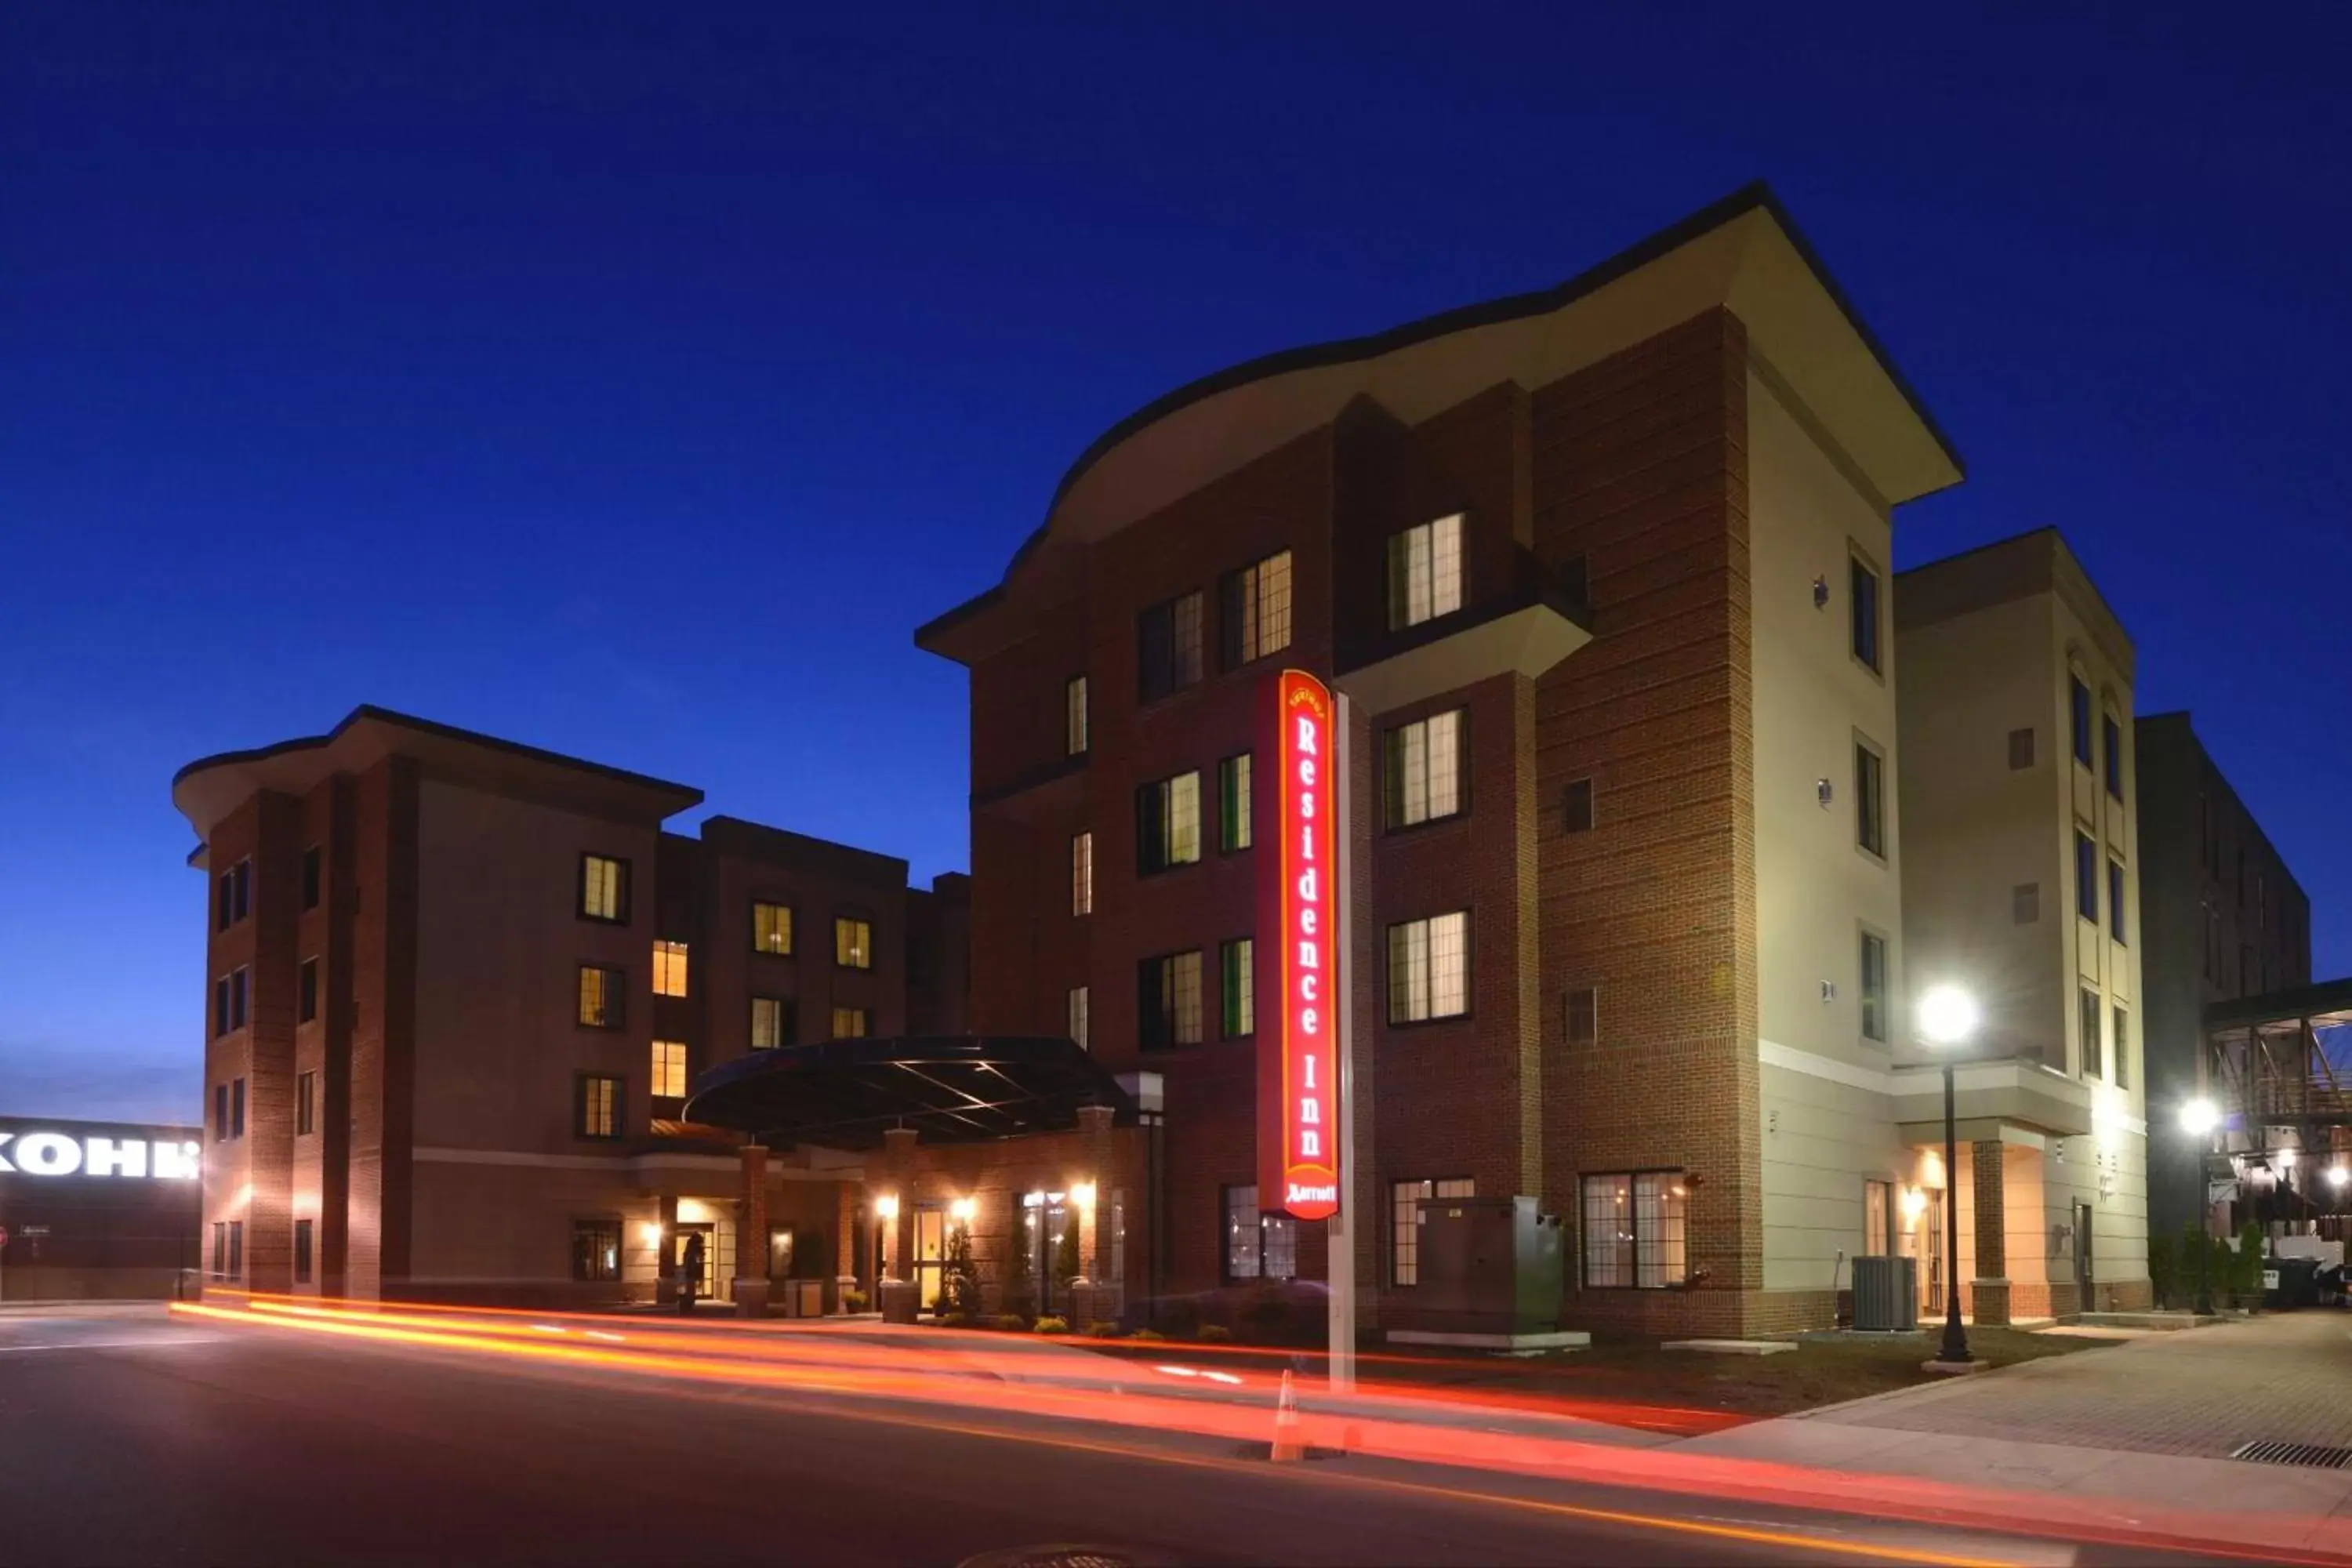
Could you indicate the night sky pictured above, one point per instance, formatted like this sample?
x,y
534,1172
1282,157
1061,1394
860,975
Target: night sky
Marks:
x,y
633,382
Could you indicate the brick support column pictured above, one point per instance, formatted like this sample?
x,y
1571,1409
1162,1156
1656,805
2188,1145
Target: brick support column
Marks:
x,y
847,1267
1990,1288
751,1236
897,1180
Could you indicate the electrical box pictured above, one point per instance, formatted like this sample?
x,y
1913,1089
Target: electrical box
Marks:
x,y
1484,1266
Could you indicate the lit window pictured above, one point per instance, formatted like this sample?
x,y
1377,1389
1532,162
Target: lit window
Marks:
x,y
604,888
772,1022
1080,1030
669,1070
1257,1246
853,944
1405,1222
1168,650
2089,1015
851,1023
598,1107
772,928
1429,968
1082,873
1873,987
1864,607
1422,768
1256,610
2087,876
1236,962
1870,799
1233,804
1425,572
602,994
1584,1016
1633,1235
1168,998
1168,823
595,1250
1075,736
669,969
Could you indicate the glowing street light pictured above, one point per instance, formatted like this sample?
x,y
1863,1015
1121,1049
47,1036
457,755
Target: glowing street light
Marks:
x,y
2338,1175
1948,1016
2199,1117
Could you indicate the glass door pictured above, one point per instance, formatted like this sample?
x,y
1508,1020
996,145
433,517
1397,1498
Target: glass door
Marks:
x,y
930,1252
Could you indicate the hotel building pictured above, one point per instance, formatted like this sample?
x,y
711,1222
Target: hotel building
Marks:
x,y
1604,574
458,989
2020,883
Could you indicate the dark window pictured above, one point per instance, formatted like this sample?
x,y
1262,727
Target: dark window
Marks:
x,y
1257,1246
237,1108
239,993
1238,987
1167,651
301,1252
596,1106
1869,799
1578,814
220,1006
1254,611
1168,1000
2111,736
220,1113
595,1251
2122,1048
1865,607
603,889
604,998
1633,1230
1167,824
220,1250
236,1249
1576,576
2116,900
772,1022
2087,876
2021,750
1873,987
2088,1018
2025,903
1233,827
1583,1015
306,992
2079,695
312,872
1422,764
306,1104
236,893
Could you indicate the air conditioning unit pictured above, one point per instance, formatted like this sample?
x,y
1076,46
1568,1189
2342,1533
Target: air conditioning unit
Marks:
x,y
1886,1294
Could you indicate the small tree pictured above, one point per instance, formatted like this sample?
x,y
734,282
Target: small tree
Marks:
x,y
2249,1270
962,1281
2163,1270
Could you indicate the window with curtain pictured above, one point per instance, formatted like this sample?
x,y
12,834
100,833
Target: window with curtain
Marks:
x,y
1167,824
772,928
602,997
1167,651
1082,873
1429,968
852,943
1421,767
1168,1000
669,1070
669,969
1237,982
1424,572
1233,804
1255,610
1633,1230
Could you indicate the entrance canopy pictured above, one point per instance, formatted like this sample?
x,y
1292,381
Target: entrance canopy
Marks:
x,y
951,1089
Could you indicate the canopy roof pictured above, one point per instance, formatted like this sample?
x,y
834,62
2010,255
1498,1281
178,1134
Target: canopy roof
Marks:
x,y
951,1089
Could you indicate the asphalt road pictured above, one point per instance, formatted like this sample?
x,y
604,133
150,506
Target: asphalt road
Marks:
x,y
126,1439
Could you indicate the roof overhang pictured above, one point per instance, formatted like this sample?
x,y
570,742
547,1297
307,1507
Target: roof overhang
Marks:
x,y
954,1089
208,790
1992,1094
1743,254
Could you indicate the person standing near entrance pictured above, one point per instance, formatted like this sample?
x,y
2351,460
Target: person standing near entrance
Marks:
x,y
690,1272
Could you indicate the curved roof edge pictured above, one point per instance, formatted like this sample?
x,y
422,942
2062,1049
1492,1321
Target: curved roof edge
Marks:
x,y
1755,196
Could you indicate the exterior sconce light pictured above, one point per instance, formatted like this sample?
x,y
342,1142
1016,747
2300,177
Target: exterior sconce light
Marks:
x,y
1824,793
1820,593
964,1210
650,1233
886,1207
1083,1195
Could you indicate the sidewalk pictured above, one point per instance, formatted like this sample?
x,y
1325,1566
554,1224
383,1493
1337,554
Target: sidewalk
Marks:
x,y
2145,1427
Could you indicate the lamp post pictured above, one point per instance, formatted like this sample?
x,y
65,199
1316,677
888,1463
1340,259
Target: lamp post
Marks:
x,y
1948,1016
2198,1118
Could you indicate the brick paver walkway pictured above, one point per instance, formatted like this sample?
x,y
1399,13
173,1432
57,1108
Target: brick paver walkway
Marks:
x,y
2194,1392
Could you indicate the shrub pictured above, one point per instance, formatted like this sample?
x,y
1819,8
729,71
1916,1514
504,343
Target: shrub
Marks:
x,y
961,1275
1178,1319
2163,1270
954,1319
1149,1336
1050,1324
1011,1322
853,1301
1101,1328
1214,1334
2247,1276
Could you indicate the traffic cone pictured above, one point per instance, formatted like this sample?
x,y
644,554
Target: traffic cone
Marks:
x,y
1287,1446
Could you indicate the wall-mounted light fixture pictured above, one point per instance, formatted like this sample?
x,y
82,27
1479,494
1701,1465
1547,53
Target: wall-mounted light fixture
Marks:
x,y
886,1207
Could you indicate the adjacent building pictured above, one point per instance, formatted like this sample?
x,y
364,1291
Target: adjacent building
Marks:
x,y
2224,920
1603,574
459,987
94,1211
2022,885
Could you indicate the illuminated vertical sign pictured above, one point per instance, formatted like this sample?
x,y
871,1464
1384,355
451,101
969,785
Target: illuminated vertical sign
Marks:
x,y
1296,954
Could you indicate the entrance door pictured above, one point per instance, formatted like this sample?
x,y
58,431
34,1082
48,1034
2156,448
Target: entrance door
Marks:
x,y
705,1281
2083,1274
1930,1234
930,1252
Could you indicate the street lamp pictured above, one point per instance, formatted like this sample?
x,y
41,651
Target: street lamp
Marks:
x,y
2198,1118
1948,1017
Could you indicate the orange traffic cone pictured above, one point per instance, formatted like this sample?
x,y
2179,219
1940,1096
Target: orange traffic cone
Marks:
x,y
1287,1446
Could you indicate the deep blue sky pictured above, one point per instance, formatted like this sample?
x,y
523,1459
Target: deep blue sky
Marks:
x,y
632,384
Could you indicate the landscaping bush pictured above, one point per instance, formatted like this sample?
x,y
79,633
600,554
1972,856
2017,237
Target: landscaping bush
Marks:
x,y
1148,1336
1214,1334
1049,1324
1011,1322
961,1275
1177,1319
954,1319
2246,1276
1102,1329
2163,1270
853,1301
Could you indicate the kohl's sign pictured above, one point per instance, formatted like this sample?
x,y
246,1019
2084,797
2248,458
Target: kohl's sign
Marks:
x,y
46,1152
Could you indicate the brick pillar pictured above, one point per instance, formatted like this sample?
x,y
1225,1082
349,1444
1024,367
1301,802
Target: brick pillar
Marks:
x,y
1990,1288
846,1264
666,1230
898,1179
751,1236
1095,1140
